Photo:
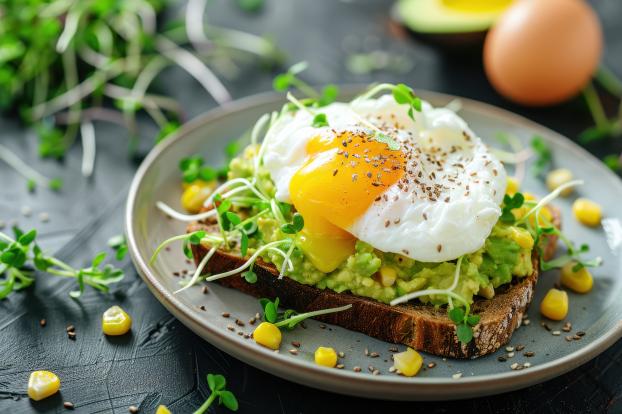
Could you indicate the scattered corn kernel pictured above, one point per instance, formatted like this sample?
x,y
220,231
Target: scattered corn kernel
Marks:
x,y
559,177
327,357
522,237
163,410
555,305
115,321
587,212
42,384
512,185
408,363
194,196
580,281
388,274
268,335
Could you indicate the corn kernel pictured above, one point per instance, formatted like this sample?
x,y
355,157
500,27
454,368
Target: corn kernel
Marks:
x,y
388,274
512,186
522,237
587,212
162,409
115,321
195,195
580,281
557,178
408,363
42,384
268,335
555,305
327,357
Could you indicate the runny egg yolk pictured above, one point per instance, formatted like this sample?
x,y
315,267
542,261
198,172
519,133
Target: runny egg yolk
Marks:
x,y
342,176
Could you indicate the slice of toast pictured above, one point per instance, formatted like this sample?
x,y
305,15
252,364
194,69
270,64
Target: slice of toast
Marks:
x,y
421,327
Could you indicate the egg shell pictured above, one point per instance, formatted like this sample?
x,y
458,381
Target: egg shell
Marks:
x,y
543,52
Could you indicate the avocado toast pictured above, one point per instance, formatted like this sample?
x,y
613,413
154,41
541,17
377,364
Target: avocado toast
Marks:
x,y
422,327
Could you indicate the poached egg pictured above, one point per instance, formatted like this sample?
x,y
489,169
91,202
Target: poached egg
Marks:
x,y
434,199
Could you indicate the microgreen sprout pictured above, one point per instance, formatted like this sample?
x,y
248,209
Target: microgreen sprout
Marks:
x,y
289,318
511,203
404,95
295,226
464,323
289,79
193,169
319,121
217,384
20,257
33,177
544,156
119,245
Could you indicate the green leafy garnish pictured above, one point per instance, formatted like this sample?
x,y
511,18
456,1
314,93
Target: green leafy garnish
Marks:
x,y
295,226
319,121
250,276
289,80
119,244
193,169
510,203
404,95
20,256
573,255
613,162
386,139
464,323
217,384
290,318
544,156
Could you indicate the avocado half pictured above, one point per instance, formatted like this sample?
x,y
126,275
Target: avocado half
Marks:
x,y
452,23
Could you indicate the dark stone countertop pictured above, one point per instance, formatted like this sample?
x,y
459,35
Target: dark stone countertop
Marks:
x,y
162,361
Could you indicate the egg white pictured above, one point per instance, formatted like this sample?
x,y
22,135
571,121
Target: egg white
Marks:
x,y
454,223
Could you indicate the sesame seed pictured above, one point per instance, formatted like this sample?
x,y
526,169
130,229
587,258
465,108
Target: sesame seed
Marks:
x,y
340,366
431,365
580,333
375,372
392,369
42,323
568,338
68,405
556,333
133,409
457,375
510,354
341,355
356,369
520,347
296,344
374,354
293,351
529,354
509,348
501,359
205,290
202,307
514,365
231,328
225,314
44,217
527,364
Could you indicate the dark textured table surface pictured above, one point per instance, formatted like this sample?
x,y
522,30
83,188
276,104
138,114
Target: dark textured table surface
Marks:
x,y
162,362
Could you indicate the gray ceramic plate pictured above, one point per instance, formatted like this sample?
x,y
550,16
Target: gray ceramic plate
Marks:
x,y
598,313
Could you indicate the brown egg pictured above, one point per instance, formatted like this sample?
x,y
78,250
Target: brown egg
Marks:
x,y
543,52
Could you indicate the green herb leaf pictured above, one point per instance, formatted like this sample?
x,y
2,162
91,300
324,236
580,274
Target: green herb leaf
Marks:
x,y
464,333
404,95
229,400
456,315
295,226
473,319
510,203
386,139
319,121
544,156
329,95
250,276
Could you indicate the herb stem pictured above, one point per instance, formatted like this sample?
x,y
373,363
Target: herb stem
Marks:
x,y
609,81
595,106
21,167
203,408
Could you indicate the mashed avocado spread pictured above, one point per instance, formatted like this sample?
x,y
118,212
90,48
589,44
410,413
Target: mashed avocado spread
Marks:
x,y
386,276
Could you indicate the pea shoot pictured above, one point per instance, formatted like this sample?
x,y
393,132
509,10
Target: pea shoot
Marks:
x,y
295,226
21,257
217,384
319,121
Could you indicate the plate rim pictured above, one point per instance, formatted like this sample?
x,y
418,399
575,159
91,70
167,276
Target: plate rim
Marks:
x,y
392,387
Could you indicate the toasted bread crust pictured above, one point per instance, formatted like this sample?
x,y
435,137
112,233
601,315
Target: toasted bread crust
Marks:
x,y
419,326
